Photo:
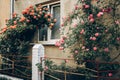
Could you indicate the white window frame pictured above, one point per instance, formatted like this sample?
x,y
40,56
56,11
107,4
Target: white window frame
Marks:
x,y
49,40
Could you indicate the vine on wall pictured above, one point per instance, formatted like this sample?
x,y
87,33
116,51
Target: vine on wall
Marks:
x,y
19,31
93,33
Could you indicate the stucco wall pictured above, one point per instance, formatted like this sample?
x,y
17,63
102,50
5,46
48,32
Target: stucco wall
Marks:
x,y
22,4
4,11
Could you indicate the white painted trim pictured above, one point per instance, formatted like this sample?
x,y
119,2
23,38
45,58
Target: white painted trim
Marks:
x,y
53,3
11,8
50,42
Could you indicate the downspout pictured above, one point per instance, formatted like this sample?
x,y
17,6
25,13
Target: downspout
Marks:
x,y
11,8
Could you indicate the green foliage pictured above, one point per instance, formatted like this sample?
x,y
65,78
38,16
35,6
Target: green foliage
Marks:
x,y
91,35
19,31
88,36
16,36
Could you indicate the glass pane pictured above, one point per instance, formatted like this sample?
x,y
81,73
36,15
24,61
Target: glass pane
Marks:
x,y
55,29
43,33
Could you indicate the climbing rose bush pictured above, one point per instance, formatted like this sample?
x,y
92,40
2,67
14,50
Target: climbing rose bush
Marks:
x,y
19,31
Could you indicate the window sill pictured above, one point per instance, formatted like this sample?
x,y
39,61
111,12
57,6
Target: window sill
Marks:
x,y
50,42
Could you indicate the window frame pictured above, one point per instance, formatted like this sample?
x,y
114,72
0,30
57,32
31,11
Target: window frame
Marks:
x,y
49,32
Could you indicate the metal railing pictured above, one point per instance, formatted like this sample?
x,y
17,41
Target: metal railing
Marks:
x,y
10,66
96,76
6,64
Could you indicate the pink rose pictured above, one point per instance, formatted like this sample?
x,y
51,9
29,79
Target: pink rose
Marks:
x,y
87,49
82,22
90,16
61,48
93,38
76,7
76,51
106,30
82,31
62,41
92,20
86,6
110,74
118,39
75,25
82,0
96,34
62,25
94,48
35,17
66,61
83,47
99,14
97,27
117,22
106,50
57,44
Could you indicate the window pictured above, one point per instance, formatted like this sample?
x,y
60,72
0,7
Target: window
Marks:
x,y
46,35
55,10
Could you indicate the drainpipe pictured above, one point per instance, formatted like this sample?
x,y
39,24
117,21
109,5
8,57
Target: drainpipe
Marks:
x,y
11,8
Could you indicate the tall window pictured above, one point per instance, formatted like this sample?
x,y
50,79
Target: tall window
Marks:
x,y
55,10
50,35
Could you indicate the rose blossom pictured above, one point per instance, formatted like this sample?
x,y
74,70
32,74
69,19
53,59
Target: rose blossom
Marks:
x,y
118,38
66,61
76,51
110,74
57,44
76,7
96,34
99,14
87,49
82,31
94,48
82,22
83,47
61,48
93,38
75,25
62,41
92,20
86,6
106,50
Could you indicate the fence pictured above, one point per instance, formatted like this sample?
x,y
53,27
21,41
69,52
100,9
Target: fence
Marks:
x,y
66,74
38,57
15,65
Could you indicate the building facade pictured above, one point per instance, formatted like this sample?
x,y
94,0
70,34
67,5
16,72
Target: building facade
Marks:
x,y
4,11
59,9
